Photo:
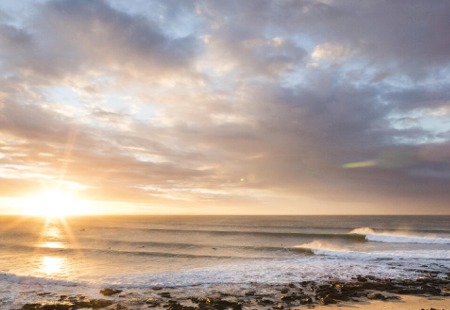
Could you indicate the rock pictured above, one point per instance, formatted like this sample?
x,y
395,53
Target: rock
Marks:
x,y
110,291
100,303
337,296
376,296
327,301
290,298
265,302
284,290
34,306
165,295
57,307
37,306
305,300
93,303
361,279
216,304
250,293
152,302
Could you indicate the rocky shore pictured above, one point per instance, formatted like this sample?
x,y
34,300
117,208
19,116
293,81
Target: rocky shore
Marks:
x,y
301,295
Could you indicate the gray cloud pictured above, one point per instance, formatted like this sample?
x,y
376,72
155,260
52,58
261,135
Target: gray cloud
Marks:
x,y
231,102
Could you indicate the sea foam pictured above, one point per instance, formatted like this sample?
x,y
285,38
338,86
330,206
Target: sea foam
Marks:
x,y
397,237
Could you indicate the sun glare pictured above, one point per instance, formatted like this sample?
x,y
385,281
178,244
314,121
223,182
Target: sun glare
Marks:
x,y
55,204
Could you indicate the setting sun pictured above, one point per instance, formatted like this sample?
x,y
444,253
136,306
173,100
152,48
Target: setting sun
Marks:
x,y
55,204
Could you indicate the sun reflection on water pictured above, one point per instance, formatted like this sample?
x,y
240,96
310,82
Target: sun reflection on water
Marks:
x,y
51,265
52,245
55,235
52,232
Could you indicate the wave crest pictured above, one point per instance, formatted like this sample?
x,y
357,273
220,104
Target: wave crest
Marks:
x,y
395,237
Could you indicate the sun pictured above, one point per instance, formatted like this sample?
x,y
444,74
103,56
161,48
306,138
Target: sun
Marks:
x,y
55,204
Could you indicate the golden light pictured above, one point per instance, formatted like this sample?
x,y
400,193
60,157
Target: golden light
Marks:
x,y
53,204
51,265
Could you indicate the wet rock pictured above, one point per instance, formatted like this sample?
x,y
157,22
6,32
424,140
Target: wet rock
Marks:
x,y
290,298
165,295
110,291
361,279
284,290
327,301
250,293
34,306
152,302
305,300
376,296
93,303
37,306
266,302
337,296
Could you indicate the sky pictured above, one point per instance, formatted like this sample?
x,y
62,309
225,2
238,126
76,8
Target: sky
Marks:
x,y
227,107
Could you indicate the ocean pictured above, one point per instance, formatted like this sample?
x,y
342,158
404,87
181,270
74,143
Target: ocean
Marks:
x,y
149,251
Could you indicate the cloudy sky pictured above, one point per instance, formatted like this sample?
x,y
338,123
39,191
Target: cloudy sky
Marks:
x,y
255,107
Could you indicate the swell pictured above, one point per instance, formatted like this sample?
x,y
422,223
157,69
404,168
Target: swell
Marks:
x,y
352,237
261,251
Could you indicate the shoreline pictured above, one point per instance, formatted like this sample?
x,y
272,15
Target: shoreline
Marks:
x,y
364,292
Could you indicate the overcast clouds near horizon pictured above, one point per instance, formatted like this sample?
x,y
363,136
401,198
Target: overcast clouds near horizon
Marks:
x,y
255,107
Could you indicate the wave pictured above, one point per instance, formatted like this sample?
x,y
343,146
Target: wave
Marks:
x,y
149,252
327,249
396,237
309,235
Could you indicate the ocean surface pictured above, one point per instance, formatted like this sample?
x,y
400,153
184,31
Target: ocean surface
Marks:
x,y
147,251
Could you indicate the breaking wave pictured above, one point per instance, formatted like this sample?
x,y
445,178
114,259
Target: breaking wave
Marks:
x,y
395,237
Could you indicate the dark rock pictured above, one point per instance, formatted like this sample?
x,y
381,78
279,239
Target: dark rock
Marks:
x,y
338,296
100,303
93,303
361,279
284,290
250,293
376,296
34,306
216,304
165,295
265,302
57,307
156,288
110,291
327,301
305,300
37,306
290,298
152,302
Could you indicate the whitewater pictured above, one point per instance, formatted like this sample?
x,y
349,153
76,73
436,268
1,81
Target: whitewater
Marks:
x,y
148,251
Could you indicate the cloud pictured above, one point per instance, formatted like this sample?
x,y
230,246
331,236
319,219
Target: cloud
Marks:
x,y
71,36
219,103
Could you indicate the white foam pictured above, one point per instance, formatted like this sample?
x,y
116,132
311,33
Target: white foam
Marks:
x,y
329,249
397,237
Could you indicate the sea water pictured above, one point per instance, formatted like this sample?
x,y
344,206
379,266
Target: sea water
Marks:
x,y
148,251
